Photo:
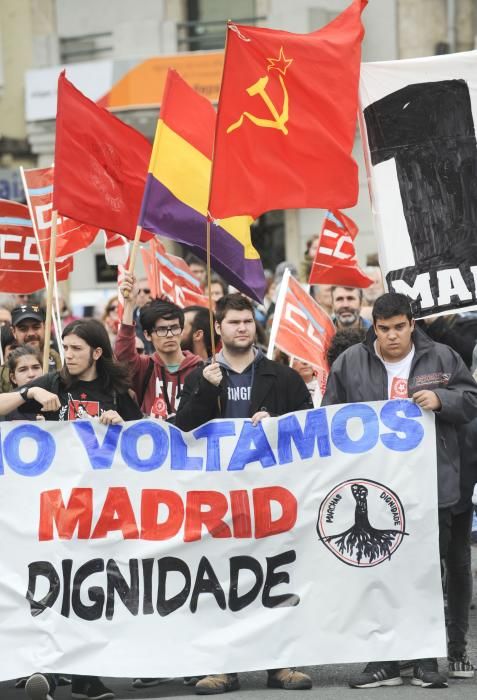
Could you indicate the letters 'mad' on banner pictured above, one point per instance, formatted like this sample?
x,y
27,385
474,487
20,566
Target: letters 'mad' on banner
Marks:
x,y
301,328
286,119
100,164
169,275
20,270
254,547
71,235
335,260
418,123
177,190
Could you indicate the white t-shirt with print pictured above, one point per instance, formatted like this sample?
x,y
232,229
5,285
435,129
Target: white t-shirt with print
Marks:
x,y
398,374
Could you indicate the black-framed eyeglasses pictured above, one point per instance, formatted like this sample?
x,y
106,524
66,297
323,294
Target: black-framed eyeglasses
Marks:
x,y
162,331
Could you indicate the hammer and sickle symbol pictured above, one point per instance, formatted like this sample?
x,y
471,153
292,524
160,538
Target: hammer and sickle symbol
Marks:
x,y
279,120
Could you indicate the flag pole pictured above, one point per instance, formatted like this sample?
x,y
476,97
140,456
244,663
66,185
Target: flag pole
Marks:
x,y
209,292
209,271
49,297
278,312
56,321
133,255
155,270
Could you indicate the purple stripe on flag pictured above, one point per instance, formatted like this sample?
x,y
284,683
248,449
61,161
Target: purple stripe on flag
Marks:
x,y
162,213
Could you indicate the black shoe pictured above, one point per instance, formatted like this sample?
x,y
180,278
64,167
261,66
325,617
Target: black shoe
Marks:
x,y
426,674
460,666
92,689
376,674
37,687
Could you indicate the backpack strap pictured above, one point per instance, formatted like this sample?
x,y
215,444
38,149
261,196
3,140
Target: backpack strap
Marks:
x,y
147,377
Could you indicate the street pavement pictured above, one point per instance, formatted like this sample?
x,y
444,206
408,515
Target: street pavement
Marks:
x,y
329,682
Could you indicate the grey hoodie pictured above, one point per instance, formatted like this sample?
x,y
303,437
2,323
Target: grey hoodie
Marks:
x,y
359,375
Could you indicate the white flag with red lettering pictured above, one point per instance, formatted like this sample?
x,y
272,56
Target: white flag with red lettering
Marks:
x,y
20,269
301,328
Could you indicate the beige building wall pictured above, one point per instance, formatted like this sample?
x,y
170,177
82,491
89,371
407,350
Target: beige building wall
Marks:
x,y
26,32
423,24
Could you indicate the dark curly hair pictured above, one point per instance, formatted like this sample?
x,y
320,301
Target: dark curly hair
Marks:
x,y
343,340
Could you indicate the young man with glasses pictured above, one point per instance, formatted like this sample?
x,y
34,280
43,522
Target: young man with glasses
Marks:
x,y
157,380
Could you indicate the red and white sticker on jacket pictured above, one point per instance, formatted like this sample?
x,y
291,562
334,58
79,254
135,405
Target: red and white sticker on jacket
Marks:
x,y
398,388
159,408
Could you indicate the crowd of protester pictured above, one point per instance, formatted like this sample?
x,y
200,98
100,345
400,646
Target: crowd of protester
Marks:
x,y
172,364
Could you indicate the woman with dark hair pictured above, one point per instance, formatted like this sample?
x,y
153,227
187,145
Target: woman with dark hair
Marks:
x,y
24,365
90,383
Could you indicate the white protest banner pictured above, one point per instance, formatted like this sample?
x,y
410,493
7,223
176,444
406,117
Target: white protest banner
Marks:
x,y
418,127
138,550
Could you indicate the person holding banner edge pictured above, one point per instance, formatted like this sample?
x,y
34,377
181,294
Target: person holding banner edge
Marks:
x,y
241,383
398,360
92,383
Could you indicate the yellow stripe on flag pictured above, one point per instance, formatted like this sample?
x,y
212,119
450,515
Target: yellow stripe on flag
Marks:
x,y
185,171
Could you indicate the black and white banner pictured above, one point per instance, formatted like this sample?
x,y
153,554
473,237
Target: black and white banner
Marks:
x,y
418,120
138,550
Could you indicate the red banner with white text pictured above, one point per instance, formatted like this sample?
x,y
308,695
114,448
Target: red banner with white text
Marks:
x,y
304,330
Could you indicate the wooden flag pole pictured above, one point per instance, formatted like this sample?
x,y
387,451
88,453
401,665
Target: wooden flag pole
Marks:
x,y
278,312
49,297
209,292
133,256
155,269
56,317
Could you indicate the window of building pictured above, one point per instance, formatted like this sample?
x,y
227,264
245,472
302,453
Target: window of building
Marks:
x,y
88,47
206,20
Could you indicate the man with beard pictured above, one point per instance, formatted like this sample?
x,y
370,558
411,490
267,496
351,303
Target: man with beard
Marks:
x,y
241,383
347,303
28,328
196,336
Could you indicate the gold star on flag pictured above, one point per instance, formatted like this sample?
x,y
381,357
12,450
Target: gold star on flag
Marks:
x,y
281,63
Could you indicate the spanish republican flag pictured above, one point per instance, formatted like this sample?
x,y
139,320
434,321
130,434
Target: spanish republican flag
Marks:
x,y
177,190
287,119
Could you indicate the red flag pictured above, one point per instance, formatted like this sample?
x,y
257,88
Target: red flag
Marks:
x,y
335,260
100,164
301,328
71,235
20,270
116,248
286,119
170,275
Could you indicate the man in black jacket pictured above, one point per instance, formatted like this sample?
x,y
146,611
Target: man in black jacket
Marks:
x,y
241,383
398,360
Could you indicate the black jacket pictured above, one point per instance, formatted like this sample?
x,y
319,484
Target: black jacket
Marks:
x,y
459,332
276,389
359,375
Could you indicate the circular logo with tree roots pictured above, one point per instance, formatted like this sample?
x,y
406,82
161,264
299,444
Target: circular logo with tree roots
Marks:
x,y
362,522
